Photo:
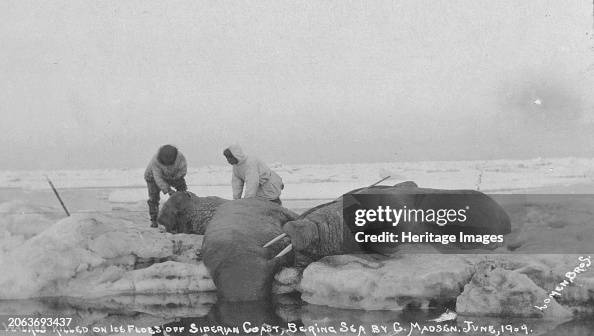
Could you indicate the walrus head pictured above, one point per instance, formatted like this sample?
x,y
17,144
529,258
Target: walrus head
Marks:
x,y
169,216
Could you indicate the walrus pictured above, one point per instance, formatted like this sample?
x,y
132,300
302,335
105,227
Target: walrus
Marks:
x,y
233,248
184,212
322,231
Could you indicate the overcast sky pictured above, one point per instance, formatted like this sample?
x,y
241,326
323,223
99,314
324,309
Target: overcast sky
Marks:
x,y
96,84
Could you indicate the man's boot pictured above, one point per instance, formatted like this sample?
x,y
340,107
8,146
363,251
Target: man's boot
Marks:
x,y
153,213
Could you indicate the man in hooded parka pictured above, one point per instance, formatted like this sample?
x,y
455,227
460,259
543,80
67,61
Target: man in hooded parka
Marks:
x,y
252,177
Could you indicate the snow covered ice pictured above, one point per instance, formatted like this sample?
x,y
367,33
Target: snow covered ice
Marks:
x,y
97,255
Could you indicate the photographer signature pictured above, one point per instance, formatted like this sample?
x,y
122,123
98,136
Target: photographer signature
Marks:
x,y
585,263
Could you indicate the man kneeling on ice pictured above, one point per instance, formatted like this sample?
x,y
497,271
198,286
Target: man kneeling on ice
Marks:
x,y
165,170
259,180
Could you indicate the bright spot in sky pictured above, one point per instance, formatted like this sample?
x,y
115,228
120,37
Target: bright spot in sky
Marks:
x,y
538,102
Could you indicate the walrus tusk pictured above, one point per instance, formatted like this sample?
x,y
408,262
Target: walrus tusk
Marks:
x,y
285,251
274,240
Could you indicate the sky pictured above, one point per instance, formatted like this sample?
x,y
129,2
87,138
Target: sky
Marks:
x,y
102,84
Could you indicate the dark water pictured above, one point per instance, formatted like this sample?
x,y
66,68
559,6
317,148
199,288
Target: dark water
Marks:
x,y
202,314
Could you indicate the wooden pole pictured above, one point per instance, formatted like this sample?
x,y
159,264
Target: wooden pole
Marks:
x,y
58,196
380,181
